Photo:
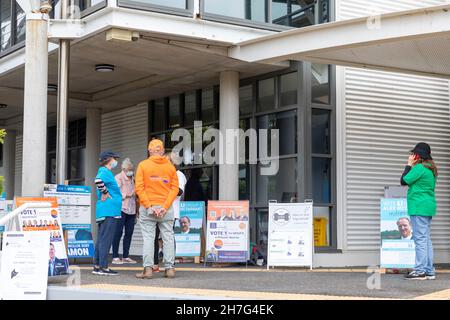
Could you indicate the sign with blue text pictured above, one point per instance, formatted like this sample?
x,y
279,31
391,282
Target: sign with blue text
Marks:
x,y
75,206
397,246
188,228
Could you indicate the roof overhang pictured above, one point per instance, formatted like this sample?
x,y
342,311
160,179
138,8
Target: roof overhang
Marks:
x,y
415,41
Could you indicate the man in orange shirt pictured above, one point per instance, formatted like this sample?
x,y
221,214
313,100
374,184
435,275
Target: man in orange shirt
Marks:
x,y
157,187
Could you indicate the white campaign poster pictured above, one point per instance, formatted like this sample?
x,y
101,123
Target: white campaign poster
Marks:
x,y
290,234
24,263
74,204
47,220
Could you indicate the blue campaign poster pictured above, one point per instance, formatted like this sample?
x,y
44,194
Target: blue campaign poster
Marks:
x,y
397,246
188,228
80,243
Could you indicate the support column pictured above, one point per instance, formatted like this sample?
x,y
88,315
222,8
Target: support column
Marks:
x,y
63,101
93,134
35,105
229,119
9,163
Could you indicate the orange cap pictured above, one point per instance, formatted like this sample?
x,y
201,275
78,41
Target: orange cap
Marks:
x,y
156,144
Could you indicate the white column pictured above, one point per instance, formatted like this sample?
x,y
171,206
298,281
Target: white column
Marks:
x,y
9,163
93,139
63,102
229,119
35,105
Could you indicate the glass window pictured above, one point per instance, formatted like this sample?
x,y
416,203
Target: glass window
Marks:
x,y
5,24
281,186
321,178
320,122
244,185
245,99
199,186
254,10
76,163
190,108
208,105
321,226
174,112
266,95
20,25
320,83
288,89
181,4
262,231
159,115
294,13
286,123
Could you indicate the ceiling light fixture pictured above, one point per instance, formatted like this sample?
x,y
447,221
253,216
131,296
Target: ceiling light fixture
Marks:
x,y
104,67
52,88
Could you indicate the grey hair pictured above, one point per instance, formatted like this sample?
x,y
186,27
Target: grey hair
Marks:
x,y
126,163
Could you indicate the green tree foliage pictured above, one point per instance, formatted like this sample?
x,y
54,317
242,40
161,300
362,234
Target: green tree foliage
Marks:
x,y
2,135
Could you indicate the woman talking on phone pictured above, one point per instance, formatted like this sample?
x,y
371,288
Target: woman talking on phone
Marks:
x,y
420,175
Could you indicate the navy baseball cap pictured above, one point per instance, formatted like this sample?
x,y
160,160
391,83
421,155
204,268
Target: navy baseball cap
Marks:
x,y
108,154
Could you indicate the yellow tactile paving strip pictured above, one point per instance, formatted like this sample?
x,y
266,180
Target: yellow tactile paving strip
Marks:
x,y
214,269
207,293
439,295
243,269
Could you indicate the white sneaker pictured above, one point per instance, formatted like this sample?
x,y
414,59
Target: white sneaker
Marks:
x,y
128,260
117,261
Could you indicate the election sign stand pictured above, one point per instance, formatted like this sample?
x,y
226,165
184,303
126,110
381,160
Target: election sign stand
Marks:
x,y
48,221
74,203
397,249
24,265
188,229
227,232
290,235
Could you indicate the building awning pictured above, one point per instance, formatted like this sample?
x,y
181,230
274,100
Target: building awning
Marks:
x,y
414,41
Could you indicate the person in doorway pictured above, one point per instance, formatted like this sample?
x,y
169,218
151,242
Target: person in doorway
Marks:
x,y
420,175
157,188
108,211
126,184
404,227
194,190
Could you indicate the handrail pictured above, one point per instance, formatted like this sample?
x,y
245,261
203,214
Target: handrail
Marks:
x,y
23,207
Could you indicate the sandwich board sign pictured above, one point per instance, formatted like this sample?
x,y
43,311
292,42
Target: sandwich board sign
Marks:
x,y
290,235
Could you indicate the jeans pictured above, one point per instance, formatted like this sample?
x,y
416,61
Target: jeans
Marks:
x,y
126,221
422,239
148,227
106,230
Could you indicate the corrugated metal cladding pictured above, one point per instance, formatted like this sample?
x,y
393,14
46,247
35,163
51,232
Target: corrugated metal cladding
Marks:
x,y
386,114
18,165
126,132
349,9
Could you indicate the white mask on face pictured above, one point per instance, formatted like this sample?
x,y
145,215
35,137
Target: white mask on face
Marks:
x,y
129,173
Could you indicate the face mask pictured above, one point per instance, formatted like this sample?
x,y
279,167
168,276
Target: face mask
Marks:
x,y
114,164
129,173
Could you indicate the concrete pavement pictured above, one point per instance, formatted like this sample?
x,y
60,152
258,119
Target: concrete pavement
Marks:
x,y
238,282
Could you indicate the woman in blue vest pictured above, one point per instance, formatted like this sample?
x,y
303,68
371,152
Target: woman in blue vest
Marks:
x,y
108,211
